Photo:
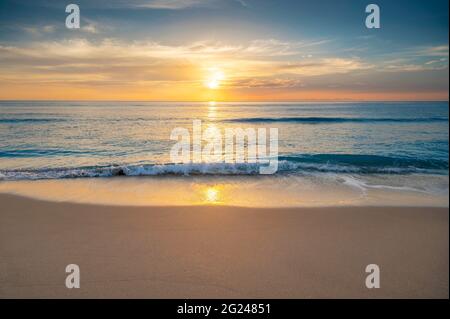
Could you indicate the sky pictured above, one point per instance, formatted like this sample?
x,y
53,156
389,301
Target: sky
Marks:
x,y
224,50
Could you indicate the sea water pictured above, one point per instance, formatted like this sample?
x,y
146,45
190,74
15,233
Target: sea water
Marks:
x,y
384,153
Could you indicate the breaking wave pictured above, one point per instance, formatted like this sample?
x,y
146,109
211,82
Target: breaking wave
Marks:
x,y
318,163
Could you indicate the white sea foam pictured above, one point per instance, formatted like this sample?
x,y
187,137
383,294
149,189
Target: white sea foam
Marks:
x,y
286,167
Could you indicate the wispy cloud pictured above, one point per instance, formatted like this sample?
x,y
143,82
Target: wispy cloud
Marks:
x,y
172,4
435,51
113,48
182,4
260,63
243,3
90,27
95,27
425,58
39,30
325,66
263,64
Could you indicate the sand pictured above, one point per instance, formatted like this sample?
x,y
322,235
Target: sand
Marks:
x,y
220,252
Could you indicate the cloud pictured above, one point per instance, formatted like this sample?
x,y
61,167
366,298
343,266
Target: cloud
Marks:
x,y
172,4
261,64
90,27
183,4
436,61
410,67
243,3
81,48
39,30
415,59
326,66
434,51
274,47
257,64
267,83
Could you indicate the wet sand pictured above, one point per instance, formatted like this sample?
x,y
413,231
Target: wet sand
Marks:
x,y
220,252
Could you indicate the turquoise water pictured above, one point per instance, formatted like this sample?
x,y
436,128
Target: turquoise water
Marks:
x,y
380,146
50,139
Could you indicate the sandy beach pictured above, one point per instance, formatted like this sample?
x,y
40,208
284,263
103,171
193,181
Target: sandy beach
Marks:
x,y
220,252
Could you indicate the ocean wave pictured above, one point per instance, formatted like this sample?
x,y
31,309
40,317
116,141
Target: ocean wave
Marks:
x,y
335,120
27,153
368,163
133,170
30,120
300,164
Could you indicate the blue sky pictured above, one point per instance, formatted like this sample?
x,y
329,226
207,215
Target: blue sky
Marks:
x,y
264,49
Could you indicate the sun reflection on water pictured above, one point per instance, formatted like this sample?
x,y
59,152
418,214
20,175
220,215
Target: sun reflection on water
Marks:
x,y
212,109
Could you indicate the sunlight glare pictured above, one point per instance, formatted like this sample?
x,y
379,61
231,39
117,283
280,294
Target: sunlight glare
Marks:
x,y
212,195
214,78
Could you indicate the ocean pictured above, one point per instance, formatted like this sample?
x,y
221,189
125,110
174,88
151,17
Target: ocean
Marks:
x,y
365,147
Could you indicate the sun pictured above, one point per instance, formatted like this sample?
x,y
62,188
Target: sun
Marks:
x,y
214,79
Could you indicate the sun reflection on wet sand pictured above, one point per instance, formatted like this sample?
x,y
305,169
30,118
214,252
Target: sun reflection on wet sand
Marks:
x,y
212,195
226,191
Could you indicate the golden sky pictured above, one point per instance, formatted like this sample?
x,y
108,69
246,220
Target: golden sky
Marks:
x,y
185,50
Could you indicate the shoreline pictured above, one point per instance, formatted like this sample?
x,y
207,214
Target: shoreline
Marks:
x,y
220,251
235,191
13,195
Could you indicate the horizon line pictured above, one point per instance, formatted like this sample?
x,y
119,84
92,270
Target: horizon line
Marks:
x,y
219,101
